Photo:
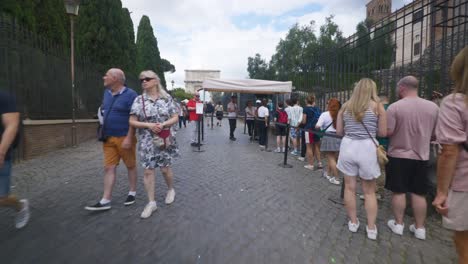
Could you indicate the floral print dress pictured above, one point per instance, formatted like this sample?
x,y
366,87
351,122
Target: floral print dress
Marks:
x,y
157,111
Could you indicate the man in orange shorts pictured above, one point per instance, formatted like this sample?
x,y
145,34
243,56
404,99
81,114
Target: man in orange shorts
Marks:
x,y
118,137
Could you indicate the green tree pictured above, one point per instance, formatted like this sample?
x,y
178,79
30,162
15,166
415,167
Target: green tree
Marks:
x,y
181,94
148,55
258,68
103,34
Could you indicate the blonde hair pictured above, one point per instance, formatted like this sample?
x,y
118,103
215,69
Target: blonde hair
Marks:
x,y
151,74
459,73
364,92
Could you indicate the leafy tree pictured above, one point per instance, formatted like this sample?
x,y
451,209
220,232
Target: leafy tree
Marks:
x,y
181,94
167,66
259,69
148,56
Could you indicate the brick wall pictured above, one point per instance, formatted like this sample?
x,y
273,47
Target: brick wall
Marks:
x,y
44,136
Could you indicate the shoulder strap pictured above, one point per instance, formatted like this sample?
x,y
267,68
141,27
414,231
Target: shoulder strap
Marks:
x,y
369,134
143,106
108,112
328,126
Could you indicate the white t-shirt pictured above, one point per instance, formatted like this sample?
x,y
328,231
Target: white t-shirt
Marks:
x,y
324,121
232,107
295,115
263,111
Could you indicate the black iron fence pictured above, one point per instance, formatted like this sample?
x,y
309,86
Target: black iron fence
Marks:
x,y
37,71
420,39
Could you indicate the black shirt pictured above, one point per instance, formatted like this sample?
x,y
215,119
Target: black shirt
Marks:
x,y
7,105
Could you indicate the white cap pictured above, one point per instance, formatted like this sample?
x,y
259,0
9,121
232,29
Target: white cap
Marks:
x,y
258,102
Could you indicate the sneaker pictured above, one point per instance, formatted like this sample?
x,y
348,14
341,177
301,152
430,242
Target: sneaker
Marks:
x,y
419,233
295,153
283,150
262,146
333,180
353,227
325,174
233,139
371,233
99,207
130,200
301,158
377,195
396,228
22,217
277,150
320,166
170,196
309,167
149,209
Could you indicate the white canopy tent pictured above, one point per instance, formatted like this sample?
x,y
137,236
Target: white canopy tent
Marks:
x,y
251,86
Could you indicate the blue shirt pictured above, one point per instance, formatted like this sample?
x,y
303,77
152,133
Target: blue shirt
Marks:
x,y
116,122
312,115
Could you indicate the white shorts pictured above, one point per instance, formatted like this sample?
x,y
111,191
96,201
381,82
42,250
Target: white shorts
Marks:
x,y
358,158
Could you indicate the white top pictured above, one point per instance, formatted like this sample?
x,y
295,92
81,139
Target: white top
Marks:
x,y
324,121
250,112
263,111
232,107
219,108
294,115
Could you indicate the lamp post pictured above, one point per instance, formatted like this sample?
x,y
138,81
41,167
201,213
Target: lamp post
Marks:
x,y
172,84
71,8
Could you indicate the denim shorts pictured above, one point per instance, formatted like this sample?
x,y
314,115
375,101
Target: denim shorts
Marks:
x,y
5,175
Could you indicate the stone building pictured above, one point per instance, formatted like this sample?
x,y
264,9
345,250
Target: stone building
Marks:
x,y
194,78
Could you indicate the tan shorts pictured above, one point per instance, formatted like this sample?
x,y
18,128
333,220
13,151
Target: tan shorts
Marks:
x,y
113,152
457,218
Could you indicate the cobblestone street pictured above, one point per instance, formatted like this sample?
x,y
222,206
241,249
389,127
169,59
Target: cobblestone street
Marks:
x,y
234,204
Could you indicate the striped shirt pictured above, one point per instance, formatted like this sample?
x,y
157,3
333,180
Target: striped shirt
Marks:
x,y
294,115
355,130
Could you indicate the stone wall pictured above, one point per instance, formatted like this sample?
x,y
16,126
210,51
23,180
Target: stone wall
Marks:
x,y
43,136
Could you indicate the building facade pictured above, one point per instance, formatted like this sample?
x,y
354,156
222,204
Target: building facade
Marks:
x,y
194,78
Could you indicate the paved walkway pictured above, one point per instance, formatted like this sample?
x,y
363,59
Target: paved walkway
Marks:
x,y
233,205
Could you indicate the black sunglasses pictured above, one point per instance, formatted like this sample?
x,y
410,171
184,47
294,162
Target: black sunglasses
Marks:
x,y
147,79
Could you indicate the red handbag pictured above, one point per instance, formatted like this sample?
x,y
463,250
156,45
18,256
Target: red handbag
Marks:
x,y
164,134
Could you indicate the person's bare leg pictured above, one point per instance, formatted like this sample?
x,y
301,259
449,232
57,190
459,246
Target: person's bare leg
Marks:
x,y
350,198
370,202
109,181
317,153
149,181
310,154
419,205
278,142
398,207
332,161
461,243
132,178
11,201
168,176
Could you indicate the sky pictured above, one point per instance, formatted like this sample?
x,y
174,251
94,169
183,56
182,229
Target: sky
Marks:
x,y
222,34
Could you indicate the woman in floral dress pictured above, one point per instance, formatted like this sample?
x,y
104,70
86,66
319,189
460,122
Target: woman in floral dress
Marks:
x,y
153,114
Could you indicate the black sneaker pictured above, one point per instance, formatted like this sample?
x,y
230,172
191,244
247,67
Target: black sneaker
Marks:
x,y
99,207
233,139
130,200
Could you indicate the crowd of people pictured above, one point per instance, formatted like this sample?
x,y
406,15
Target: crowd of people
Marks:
x,y
349,134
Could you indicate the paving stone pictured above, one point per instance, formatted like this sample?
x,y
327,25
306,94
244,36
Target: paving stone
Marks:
x,y
234,204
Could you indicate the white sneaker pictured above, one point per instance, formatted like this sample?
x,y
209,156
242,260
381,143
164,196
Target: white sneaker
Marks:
x,y
283,150
309,167
149,209
371,233
396,228
325,174
277,150
22,217
333,180
301,158
170,196
419,233
353,227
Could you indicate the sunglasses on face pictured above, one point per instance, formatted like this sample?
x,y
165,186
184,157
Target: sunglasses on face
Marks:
x,y
147,79
197,96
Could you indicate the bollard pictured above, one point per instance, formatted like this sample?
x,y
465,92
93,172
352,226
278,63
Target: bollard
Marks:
x,y
200,120
286,147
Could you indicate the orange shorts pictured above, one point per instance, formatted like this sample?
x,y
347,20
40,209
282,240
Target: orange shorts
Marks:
x,y
113,152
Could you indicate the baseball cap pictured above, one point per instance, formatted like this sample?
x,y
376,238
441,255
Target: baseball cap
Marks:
x,y
258,102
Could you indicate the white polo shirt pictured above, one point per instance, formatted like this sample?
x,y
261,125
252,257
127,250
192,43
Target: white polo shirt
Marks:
x,y
263,112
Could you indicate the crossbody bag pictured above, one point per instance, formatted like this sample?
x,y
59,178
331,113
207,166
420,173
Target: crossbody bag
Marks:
x,y
101,136
161,139
381,153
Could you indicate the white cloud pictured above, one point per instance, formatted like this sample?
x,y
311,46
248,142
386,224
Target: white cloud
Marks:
x,y
201,35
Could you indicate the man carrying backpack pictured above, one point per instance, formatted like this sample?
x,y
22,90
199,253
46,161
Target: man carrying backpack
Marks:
x,y
281,119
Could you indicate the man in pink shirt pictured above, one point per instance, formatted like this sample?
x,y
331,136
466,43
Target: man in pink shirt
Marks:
x,y
411,122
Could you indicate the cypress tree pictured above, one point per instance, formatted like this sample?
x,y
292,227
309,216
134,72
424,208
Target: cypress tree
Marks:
x,y
148,56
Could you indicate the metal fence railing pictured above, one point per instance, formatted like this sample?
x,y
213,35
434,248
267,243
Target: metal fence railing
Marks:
x,y
420,39
37,72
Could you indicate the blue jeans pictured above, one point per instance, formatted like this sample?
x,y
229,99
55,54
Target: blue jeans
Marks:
x,y
5,175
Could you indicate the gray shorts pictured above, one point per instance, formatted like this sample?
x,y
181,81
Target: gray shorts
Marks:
x,y
5,176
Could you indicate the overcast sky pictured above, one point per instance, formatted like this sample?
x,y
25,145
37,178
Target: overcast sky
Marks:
x,y
222,34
